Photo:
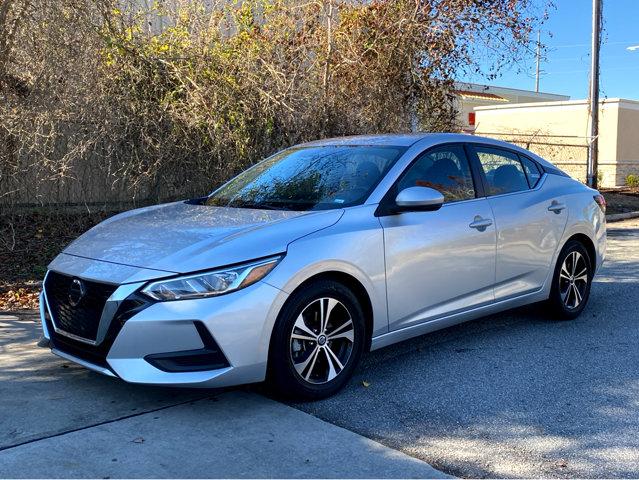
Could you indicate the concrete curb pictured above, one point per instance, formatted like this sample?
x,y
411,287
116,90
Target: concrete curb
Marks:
x,y
617,217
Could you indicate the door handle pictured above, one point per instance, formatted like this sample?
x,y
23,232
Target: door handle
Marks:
x,y
556,207
481,224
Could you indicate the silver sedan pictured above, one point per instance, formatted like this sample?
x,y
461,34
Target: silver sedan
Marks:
x,y
296,267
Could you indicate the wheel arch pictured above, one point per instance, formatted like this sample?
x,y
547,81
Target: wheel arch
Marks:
x,y
354,285
588,245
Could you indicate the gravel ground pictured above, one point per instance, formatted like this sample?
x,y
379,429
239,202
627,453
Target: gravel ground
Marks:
x,y
515,394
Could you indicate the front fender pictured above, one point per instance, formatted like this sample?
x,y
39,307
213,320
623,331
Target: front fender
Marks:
x,y
353,246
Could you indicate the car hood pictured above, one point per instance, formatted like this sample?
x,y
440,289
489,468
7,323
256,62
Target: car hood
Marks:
x,y
181,237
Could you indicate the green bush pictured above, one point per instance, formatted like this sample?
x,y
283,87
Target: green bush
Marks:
x,y
632,180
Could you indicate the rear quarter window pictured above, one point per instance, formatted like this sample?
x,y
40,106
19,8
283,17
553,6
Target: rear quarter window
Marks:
x,y
533,173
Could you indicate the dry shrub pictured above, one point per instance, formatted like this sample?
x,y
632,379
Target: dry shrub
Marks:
x,y
107,101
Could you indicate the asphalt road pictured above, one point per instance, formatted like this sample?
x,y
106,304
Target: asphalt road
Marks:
x,y
515,394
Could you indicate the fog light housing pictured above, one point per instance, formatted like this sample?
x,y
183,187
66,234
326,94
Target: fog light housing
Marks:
x,y
210,357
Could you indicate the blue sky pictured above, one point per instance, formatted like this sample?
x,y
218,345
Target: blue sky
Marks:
x,y
567,62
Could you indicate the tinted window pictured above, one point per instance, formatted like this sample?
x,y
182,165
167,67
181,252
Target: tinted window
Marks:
x,y
445,169
503,170
311,178
532,171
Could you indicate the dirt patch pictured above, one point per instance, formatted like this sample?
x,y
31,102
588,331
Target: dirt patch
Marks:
x,y
28,242
621,200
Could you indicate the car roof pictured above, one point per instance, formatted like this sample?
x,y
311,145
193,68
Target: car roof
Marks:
x,y
394,140
409,139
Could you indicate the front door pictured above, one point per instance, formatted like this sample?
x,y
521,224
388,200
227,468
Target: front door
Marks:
x,y
439,262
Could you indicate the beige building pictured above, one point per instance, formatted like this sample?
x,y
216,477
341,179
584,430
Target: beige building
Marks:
x,y
559,132
468,96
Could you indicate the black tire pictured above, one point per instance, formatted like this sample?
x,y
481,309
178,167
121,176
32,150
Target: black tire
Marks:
x,y
565,293
283,376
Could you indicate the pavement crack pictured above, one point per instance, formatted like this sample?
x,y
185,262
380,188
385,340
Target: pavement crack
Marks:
x,y
105,422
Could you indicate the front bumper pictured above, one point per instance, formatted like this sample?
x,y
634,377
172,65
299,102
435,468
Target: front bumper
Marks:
x,y
239,324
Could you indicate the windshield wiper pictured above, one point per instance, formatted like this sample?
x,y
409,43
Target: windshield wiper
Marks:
x,y
259,206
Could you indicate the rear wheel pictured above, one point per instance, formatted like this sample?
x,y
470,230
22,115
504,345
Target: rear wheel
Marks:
x,y
571,282
317,341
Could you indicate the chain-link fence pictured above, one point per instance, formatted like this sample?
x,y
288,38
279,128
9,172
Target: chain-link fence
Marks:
x,y
569,153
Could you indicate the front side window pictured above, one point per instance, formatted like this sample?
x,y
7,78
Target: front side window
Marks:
x,y
503,170
445,169
309,178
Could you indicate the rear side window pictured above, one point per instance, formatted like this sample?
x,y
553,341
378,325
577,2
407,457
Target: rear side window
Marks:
x,y
504,172
445,169
532,171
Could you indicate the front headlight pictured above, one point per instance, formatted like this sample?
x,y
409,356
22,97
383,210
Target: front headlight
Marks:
x,y
209,284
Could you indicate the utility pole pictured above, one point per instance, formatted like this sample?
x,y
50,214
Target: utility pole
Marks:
x,y
593,146
538,60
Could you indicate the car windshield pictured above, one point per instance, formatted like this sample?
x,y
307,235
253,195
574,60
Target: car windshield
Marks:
x,y
309,178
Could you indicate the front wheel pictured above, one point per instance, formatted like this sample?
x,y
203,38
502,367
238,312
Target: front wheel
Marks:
x,y
317,341
571,282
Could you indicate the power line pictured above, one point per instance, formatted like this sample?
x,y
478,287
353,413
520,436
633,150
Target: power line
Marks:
x,y
631,42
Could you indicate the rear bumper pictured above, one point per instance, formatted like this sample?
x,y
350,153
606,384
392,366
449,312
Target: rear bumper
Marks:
x,y
239,325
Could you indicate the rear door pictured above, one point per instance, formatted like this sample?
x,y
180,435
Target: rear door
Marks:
x,y
439,262
529,219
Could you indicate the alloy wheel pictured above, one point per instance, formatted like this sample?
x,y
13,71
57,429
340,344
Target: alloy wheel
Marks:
x,y
573,280
322,340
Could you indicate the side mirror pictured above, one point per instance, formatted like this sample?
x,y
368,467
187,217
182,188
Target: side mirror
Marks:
x,y
418,199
